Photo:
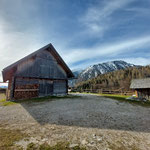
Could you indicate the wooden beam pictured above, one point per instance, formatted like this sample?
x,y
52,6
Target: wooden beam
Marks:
x,y
66,86
12,88
38,78
27,90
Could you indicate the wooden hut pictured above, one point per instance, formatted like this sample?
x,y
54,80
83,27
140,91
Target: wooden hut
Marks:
x,y
141,87
41,73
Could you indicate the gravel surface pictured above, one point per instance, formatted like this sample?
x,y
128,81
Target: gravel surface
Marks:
x,y
93,121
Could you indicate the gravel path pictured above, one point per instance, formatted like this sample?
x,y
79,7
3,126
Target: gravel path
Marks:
x,y
90,120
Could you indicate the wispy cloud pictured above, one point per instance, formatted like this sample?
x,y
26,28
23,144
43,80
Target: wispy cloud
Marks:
x,y
137,61
97,18
92,32
15,44
138,10
111,49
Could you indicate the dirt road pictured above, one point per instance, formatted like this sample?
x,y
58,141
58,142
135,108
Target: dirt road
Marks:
x,y
93,121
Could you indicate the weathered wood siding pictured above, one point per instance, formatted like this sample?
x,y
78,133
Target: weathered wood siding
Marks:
x,y
40,75
45,87
32,87
60,87
143,93
43,65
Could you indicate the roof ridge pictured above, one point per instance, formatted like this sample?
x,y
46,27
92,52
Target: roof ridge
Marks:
x,y
42,48
52,50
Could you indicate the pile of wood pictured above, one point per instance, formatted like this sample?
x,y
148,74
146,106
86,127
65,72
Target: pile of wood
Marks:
x,y
26,91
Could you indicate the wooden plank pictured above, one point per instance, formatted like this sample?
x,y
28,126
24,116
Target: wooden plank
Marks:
x,y
28,90
12,88
41,67
40,78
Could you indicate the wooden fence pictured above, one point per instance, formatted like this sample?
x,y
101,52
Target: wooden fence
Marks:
x,y
105,91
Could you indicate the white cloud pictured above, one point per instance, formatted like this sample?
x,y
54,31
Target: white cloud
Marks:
x,y
96,19
15,45
138,10
138,61
133,60
21,32
111,49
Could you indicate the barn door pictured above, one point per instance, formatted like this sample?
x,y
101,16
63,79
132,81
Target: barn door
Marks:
x,y
60,87
45,88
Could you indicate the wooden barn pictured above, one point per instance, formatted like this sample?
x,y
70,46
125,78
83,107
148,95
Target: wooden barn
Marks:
x,y
141,87
41,73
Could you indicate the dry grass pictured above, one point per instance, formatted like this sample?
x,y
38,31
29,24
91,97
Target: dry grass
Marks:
x,y
120,146
9,137
58,146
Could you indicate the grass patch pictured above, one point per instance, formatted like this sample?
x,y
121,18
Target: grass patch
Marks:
x,y
9,137
117,97
83,93
47,98
3,102
122,98
58,146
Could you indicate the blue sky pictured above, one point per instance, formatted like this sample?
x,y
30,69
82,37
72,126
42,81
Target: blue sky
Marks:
x,y
84,32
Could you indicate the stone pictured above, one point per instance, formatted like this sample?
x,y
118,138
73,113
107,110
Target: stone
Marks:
x,y
84,142
99,139
43,140
73,145
92,142
94,136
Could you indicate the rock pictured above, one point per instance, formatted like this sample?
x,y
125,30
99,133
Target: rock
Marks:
x,y
92,142
84,142
90,145
94,136
73,145
99,139
52,128
43,140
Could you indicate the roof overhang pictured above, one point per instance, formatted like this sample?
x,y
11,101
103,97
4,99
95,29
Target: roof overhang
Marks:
x,y
140,83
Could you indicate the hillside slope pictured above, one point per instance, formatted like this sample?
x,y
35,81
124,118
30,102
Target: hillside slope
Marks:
x,y
120,79
95,70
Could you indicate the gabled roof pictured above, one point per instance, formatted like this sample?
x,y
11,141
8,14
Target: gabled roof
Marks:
x,y
140,83
10,70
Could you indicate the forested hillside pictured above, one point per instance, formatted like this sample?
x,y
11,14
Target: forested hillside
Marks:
x,y
120,79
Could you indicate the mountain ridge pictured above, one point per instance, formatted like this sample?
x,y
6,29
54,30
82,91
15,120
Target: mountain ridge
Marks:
x,y
102,68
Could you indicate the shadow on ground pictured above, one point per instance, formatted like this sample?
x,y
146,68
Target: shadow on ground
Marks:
x,y
92,112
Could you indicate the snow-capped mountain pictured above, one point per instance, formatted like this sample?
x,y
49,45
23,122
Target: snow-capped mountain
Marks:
x,y
95,70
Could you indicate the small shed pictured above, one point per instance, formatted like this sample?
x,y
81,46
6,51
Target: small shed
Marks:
x,y
141,87
41,73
